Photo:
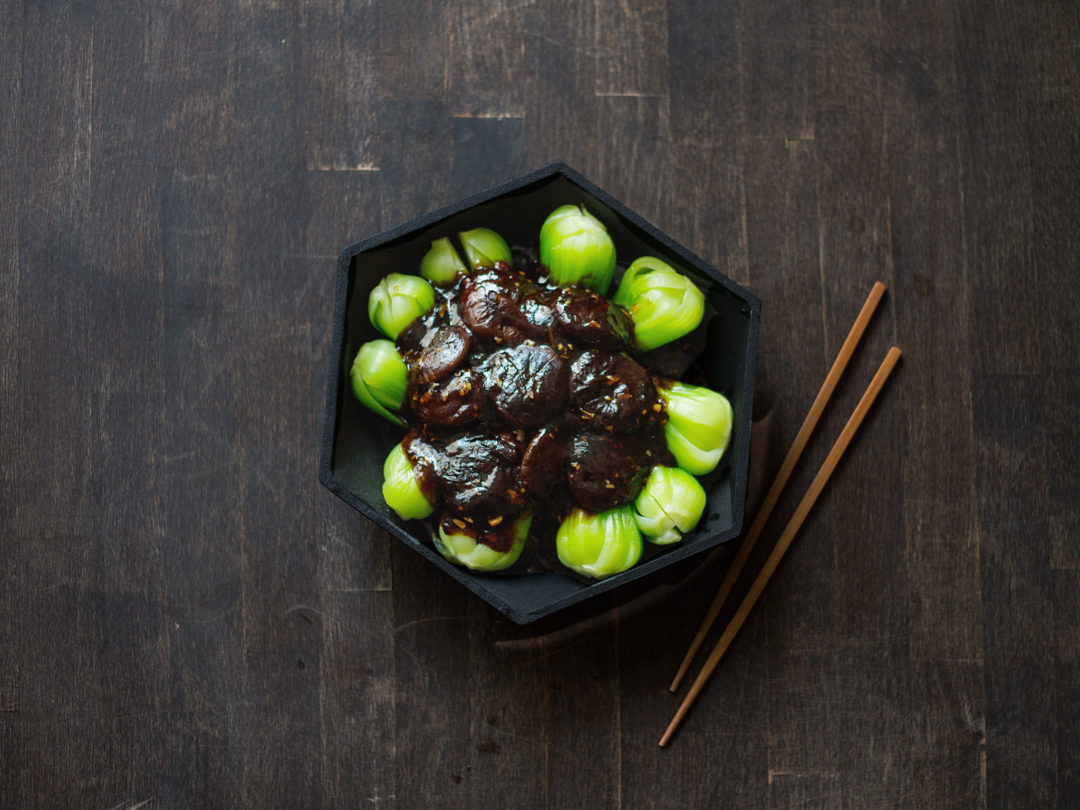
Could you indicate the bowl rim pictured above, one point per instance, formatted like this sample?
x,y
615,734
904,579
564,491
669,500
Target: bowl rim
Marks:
x,y
751,305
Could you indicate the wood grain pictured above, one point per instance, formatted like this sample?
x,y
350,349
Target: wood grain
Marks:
x,y
561,69
631,48
188,619
486,53
336,76
946,726
1055,153
994,109
869,580
11,576
705,117
1017,593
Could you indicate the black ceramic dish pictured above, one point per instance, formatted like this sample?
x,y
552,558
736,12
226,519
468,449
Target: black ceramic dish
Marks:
x,y
355,442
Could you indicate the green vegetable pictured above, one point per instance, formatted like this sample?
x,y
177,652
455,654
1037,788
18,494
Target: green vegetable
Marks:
x,y
663,303
397,301
576,249
698,426
465,550
401,486
599,545
378,377
442,264
670,504
484,247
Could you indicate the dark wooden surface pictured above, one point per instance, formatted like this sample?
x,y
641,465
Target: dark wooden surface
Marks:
x,y
187,619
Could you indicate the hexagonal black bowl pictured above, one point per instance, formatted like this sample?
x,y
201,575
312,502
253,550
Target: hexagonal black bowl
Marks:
x,y
355,442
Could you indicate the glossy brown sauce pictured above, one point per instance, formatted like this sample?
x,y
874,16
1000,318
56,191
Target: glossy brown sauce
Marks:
x,y
526,395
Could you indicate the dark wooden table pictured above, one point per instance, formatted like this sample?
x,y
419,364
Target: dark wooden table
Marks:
x,y
187,619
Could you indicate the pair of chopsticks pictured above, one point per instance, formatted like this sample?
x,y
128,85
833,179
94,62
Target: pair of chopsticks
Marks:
x,y
773,495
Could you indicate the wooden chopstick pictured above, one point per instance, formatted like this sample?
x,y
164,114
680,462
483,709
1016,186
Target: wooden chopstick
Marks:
x,y
792,458
786,537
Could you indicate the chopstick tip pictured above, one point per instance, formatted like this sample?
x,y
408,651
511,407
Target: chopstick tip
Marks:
x,y
877,292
